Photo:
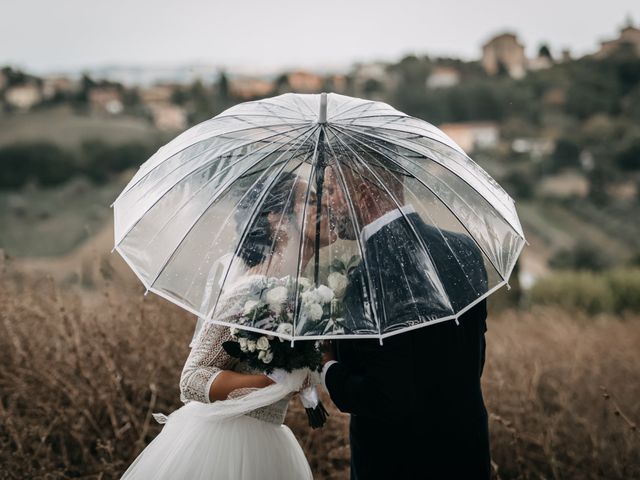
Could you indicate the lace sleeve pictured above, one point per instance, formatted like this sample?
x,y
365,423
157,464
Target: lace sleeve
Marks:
x,y
206,360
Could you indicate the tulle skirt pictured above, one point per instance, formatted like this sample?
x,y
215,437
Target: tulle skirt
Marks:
x,y
194,448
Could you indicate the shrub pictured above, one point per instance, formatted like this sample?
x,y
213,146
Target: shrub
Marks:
x,y
575,290
628,155
625,288
101,159
42,161
583,256
613,291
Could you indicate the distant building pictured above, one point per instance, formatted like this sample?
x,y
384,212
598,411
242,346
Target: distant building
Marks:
x,y
537,148
52,86
106,99
248,88
564,185
443,77
304,82
629,37
23,97
473,135
372,80
541,62
626,190
156,94
168,117
504,52
337,83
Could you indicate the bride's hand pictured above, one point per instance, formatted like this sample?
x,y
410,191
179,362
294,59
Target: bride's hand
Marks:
x,y
277,375
312,378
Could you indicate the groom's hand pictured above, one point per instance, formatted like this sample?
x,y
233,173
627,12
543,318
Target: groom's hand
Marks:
x,y
328,351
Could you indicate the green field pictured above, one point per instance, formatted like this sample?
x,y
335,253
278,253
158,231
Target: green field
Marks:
x,y
68,129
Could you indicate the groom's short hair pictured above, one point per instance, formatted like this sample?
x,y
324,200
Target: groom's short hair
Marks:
x,y
380,166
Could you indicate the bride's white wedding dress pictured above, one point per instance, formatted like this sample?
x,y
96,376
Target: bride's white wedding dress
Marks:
x,y
240,438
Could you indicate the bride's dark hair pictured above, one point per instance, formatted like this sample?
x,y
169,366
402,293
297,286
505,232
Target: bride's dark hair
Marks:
x,y
279,200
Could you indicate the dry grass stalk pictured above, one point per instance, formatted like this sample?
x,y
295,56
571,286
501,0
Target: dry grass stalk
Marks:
x,y
82,372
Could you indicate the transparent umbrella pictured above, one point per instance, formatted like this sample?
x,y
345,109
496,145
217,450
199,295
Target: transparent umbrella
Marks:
x,y
346,217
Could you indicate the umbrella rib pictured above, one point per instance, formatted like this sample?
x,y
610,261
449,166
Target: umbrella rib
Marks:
x,y
267,102
303,231
443,140
402,144
373,147
224,152
199,169
256,209
397,115
354,220
346,108
253,102
437,137
366,104
447,206
432,132
439,285
295,99
224,223
272,115
146,174
195,222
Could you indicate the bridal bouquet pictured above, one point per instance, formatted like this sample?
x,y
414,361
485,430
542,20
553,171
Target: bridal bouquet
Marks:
x,y
318,310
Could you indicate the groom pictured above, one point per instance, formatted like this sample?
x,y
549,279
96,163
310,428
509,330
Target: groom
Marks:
x,y
415,401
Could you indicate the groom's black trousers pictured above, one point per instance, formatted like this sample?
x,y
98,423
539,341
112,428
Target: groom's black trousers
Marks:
x,y
416,402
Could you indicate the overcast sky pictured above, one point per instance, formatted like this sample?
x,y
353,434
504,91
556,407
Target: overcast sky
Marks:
x,y
45,35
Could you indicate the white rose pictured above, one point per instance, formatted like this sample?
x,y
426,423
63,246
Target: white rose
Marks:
x,y
285,328
243,344
304,282
262,343
338,282
276,297
233,331
268,356
315,311
251,345
325,293
310,297
250,305
261,354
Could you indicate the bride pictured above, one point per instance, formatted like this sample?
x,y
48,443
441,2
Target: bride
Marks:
x,y
243,443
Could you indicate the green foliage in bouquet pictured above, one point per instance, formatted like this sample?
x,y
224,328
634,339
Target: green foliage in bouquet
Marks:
x,y
317,310
265,353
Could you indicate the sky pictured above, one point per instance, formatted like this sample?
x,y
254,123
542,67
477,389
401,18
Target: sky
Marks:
x,y
46,36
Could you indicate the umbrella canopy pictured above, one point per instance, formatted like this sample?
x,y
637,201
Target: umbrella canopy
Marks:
x,y
352,218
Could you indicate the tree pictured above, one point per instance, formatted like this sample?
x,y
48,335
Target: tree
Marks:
x,y
223,86
628,156
544,51
566,153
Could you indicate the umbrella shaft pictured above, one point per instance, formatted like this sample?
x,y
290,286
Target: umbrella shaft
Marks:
x,y
319,184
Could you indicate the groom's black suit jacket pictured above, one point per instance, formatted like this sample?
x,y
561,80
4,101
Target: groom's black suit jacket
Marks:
x,y
416,402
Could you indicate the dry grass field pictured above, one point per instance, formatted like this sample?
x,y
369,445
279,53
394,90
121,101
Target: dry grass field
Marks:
x,y
82,371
